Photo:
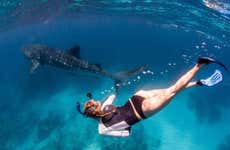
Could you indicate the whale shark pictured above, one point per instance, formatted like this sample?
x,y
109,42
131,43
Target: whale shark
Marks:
x,y
70,59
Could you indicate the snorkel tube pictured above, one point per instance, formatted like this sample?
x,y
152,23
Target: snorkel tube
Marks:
x,y
78,107
89,95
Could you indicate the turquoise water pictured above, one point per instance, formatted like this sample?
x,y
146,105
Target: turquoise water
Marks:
x,y
38,111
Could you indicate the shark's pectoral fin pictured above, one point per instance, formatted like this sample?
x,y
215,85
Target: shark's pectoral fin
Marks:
x,y
34,66
74,51
99,66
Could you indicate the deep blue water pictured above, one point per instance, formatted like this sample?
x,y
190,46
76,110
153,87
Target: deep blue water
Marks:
x,y
38,111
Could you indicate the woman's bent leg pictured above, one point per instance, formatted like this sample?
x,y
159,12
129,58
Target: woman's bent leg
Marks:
x,y
162,97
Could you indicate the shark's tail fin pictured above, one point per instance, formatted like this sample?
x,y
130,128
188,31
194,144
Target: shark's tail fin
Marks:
x,y
123,76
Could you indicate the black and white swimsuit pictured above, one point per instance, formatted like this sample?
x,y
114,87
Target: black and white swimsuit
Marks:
x,y
119,122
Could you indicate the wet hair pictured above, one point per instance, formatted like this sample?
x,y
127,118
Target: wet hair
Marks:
x,y
90,110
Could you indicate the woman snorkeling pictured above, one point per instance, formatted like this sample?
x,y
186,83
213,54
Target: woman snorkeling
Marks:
x,y
117,120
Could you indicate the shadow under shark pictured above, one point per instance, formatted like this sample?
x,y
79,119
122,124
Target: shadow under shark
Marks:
x,y
70,60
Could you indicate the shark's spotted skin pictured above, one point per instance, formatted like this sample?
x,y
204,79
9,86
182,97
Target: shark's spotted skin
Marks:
x,y
43,55
70,60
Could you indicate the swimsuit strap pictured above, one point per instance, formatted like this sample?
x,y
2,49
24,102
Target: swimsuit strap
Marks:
x,y
135,111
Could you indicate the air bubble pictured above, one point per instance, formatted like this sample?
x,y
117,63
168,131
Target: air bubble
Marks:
x,y
117,84
183,55
203,43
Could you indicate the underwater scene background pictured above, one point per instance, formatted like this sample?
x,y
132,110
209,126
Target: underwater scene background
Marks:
x,y
38,111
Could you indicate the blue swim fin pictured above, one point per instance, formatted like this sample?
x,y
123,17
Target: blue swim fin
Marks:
x,y
214,79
